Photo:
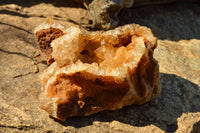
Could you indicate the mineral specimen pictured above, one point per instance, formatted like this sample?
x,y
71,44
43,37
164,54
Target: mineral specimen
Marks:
x,y
96,71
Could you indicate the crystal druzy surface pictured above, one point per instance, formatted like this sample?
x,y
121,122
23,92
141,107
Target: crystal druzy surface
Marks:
x,y
96,71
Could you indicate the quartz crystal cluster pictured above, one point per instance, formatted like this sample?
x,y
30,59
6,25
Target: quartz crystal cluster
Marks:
x,y
95,71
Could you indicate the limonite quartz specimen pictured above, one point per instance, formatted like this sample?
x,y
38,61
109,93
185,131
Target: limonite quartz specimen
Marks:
x,y
95,71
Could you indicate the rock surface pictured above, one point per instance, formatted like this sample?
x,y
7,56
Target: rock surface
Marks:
x,y
104,12
176,109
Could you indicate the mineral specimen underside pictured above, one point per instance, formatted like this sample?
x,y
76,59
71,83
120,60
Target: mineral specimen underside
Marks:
x,y
95,71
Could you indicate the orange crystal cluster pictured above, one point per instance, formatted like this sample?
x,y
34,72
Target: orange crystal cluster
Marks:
x,y
102,70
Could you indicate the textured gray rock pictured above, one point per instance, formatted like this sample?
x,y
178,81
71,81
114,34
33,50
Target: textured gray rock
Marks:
x,y
104,12
176,109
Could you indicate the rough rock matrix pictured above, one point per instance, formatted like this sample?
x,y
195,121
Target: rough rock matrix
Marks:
x,y
45,37
104,12
96,71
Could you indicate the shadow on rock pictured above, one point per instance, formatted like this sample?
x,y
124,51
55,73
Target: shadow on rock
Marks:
x,y
168,21
178,96
196,128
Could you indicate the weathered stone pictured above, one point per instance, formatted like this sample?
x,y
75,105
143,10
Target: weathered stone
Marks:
x,y
104,12
182,65
188,123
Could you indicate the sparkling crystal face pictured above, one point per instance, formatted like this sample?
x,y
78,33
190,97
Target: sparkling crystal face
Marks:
x,y
113,50
95,71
